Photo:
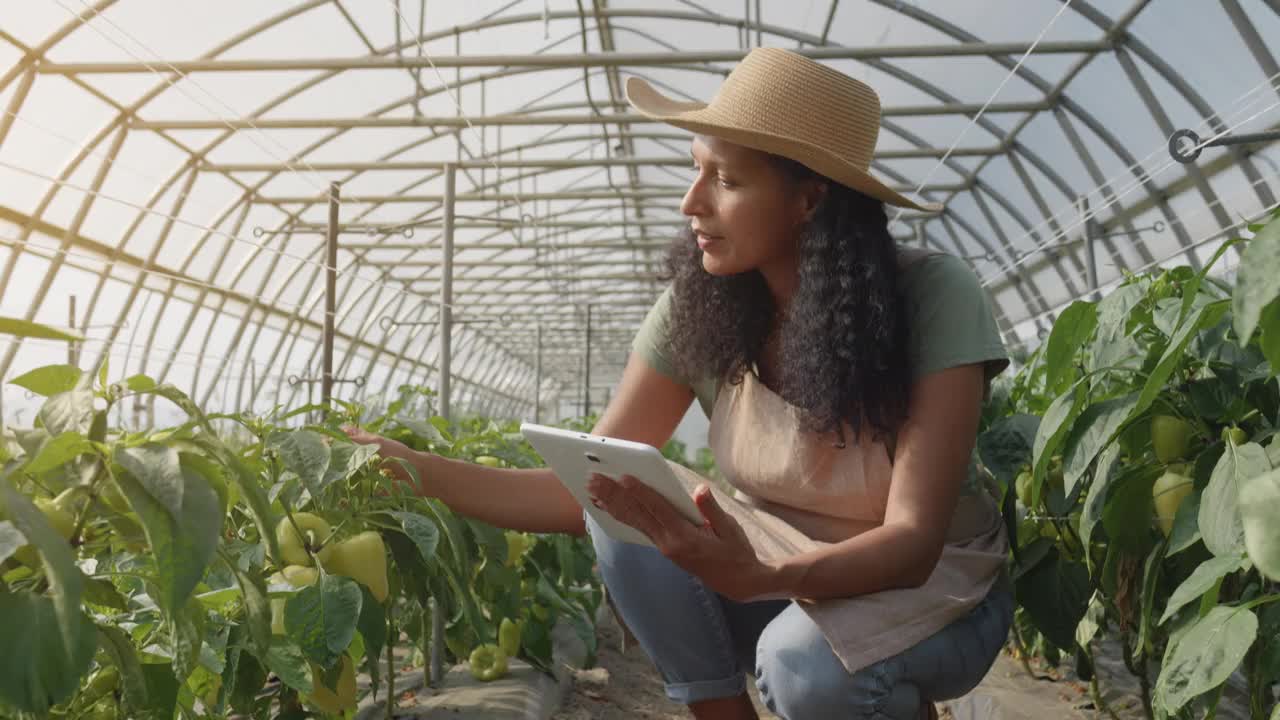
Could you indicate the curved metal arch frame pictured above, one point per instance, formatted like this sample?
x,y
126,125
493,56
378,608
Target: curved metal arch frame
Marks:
x,y
1065,277
1116,35
296,90
977,183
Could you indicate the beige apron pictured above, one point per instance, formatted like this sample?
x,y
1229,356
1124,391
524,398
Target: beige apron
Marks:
x,y
795,492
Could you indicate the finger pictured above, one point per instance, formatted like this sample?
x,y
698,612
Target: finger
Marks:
x,y
664,508
603,491
360,435
710,509
624,504
673,523
601,488
724,524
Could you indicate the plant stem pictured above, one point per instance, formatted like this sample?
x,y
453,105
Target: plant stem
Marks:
x,y
391,665
1099,701
1021,649
83,516
1126,652
1144,684
1258,688
424,640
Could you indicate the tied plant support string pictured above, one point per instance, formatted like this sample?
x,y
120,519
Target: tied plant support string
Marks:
x,y
1180,251
1098,201
1120,193
288,163
1097,207
524,218
972,121
214,231
444,85
116,163
84,20
133,170
192,224
1143,175
50,253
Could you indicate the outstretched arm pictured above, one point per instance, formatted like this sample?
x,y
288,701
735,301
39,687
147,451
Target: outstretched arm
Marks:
x,y
646,407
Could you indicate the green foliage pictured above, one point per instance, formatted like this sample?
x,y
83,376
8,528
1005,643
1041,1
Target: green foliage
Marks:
x,y
154,554
1089,557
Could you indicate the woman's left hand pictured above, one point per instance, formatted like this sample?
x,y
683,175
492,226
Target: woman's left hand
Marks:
x,y
717,552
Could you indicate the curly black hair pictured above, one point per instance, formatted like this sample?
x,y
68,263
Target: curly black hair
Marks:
x,y
844,339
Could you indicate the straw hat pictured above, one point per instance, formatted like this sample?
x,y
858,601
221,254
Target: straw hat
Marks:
x,y
786,104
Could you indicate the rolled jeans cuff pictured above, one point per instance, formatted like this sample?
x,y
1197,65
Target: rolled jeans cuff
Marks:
x,y
692,692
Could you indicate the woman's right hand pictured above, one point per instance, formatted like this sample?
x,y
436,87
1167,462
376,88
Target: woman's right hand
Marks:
x,y
389,450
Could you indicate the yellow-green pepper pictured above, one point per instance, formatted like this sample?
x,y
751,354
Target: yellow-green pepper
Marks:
x,y
509,632
488,663
362,558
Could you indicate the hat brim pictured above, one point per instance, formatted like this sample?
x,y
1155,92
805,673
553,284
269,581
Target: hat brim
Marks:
x,y
702,119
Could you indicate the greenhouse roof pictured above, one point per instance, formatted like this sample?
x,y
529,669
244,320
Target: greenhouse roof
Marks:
x,y
166,171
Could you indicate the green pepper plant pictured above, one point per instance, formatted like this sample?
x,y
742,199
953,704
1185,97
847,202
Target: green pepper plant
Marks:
x,y
250,565
1136,455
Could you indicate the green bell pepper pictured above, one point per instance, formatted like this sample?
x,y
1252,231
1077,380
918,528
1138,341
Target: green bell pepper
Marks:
x,y
509,632
488,663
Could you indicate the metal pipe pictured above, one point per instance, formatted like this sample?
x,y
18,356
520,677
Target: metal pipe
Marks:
x,y
72,352
619,244
521,119
503,290
641,194
521,263
446,290
364,166
537,380
445,361
548,224
639,307
1090,233
330,292
565,60
586,369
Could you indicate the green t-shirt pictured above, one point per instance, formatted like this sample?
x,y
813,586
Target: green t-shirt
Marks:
x,y
951,324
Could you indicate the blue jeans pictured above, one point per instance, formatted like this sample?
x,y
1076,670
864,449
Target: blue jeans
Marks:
x,y
703,645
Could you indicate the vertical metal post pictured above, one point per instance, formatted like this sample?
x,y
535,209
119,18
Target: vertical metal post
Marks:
x,y
759,30
445,361
537,379
586,369
72,360
330,293
1091,232
920,238
446,289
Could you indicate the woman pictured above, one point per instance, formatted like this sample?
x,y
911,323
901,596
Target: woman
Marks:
x,y
854,573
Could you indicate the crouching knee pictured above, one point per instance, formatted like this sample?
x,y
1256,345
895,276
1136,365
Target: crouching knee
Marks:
x,y
800,678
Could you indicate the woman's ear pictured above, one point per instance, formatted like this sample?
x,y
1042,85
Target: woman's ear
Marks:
x,y
812,193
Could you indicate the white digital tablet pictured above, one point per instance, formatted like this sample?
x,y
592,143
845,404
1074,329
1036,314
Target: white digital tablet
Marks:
x,y
575,456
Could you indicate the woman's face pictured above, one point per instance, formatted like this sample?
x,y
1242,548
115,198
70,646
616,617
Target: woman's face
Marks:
x,y
746,212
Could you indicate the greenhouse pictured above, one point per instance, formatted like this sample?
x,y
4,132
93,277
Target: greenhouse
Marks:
x,y
284,286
